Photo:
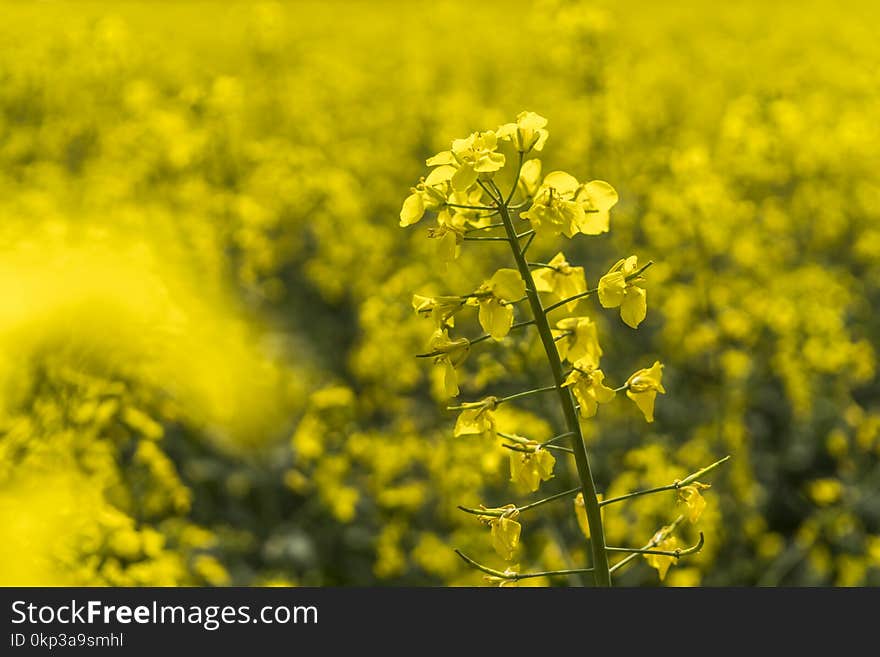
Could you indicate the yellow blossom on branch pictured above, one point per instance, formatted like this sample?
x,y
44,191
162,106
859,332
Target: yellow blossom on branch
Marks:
x,y
494,299
588,388
441,309
662,562
621,287
561,280
530,468
450,354
505,531
471,156
578,340
554,209
642,387
597,197
527,134
529,178
690,496
477,419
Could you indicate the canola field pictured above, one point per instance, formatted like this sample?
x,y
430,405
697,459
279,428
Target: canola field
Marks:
x,y
207,332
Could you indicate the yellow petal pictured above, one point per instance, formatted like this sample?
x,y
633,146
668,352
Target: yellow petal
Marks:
x,y
523,471
505,536
447,247
439,175
413,210
612,287
660,561
645,402
443,157
634,306
587,402
496,319
450,379
471,421
507,284
603,393
595,223
693,500
464,178
602,196
564,184
544,462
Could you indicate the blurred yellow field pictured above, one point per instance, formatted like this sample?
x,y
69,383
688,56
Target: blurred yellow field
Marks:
x,y
207,333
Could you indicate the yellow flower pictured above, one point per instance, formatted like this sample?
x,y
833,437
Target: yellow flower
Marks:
x,y
615,290
494,298
449,240
529,178
690,496
429,194
554,208
471,156
588,387
527,133
505,531
580,341
477,419
597,197
441,309
825,492
662,562
642,387
561,280
452,354
529,469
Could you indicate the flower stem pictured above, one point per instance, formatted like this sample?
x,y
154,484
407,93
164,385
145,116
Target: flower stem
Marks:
x,y
666,553
673,486
486,227
570,299
515,576
656,540
497,513
525,393
601,574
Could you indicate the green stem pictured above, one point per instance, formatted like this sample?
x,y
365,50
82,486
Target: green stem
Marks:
x,y
601,574
638,493
673,486
483,208
526,450
565,301
497,513
666,553
515,179
516,576
480,338
526,393
567,434
486,227
502,400
659,537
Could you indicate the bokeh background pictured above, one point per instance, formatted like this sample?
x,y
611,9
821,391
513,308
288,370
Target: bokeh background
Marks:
x,y
206,337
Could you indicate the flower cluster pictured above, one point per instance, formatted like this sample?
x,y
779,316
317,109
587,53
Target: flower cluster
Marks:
x,y
464,179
